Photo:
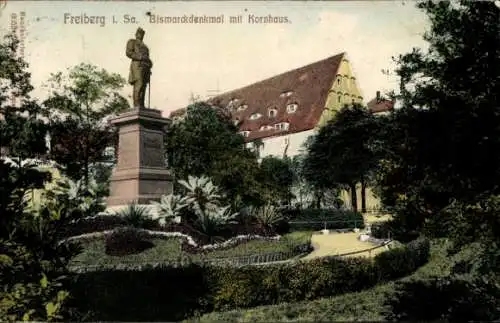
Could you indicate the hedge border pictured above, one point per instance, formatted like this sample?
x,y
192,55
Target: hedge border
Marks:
x,y
141,295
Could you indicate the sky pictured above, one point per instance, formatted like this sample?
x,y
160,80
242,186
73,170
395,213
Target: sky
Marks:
x,y
205,59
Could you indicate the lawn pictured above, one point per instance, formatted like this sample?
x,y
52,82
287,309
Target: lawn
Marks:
x,y
169,250
361,306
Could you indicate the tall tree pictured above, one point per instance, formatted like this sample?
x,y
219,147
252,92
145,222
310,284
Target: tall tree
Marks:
x,y
446,140
342,153
443,161
277,176
206,142
80,104
31,261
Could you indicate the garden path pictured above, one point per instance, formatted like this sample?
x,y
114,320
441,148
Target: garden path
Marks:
x,y
340,243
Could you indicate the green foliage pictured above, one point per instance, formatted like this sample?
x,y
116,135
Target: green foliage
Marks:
x,y
381,230
267,216
204,200
444,143
79,104
169,251
316,219
24,135
206,142
169,209
77,199
138,295
446,300
32,263
367,305
277,177
401,261
344,152
135,215
27,300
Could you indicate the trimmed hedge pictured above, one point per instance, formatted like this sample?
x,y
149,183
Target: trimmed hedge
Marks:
x,y
170,294
381,230
315,219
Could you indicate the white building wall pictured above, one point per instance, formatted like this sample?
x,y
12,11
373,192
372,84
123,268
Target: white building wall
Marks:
x,y
275,146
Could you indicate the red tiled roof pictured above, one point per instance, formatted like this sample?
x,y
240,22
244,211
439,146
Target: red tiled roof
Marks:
x,y
177,113
309,86
380,105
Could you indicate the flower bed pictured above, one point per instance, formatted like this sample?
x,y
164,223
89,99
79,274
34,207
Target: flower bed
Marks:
x,y
184,238
168,249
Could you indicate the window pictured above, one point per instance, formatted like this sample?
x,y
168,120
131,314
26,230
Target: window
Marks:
x,y
255,116
236,122
272,113
281,126
292,107
338,98
339,79
231,103
245,133
264,128
242,107
286,94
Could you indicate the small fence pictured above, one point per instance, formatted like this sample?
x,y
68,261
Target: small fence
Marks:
x,y
385,244
327,224
255,259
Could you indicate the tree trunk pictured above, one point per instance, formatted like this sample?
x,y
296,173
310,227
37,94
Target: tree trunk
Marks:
x,y
318,200
363,196
354,197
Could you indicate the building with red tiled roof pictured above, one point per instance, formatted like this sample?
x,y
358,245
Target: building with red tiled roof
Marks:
x,y
380,105
277,115
284,110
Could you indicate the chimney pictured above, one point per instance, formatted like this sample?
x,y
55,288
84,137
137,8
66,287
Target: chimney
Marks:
x,y
378,96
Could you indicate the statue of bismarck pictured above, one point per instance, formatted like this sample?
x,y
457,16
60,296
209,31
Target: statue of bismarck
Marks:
x,y
140,67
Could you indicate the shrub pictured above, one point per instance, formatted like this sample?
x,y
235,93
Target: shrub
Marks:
x,y
381,230
268,217
125,241
142,295
447,299
316,219
401,261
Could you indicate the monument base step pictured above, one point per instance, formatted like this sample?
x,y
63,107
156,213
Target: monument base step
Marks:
x,y
139,200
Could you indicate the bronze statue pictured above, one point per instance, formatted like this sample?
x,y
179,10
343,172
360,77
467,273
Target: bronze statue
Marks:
x,y
140,67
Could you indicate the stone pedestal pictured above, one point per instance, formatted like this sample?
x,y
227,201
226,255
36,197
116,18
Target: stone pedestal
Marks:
x,y
140,175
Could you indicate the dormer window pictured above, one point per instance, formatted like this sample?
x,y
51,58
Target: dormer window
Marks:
x,y
286,94
242,107
232,103
255,116
264,128
292,107
245,133
272,113
236,122
281,126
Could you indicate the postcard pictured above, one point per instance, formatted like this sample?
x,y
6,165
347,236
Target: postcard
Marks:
x,y
205,49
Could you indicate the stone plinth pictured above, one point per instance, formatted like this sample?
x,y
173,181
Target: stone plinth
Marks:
x,y
140,175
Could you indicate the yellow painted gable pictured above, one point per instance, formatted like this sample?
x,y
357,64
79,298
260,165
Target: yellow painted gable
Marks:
x,y
344,90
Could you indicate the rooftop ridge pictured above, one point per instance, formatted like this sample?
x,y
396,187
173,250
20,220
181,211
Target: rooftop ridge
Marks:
x,y
277,76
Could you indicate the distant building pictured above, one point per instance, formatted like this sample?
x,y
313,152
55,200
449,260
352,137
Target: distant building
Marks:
x,y
277,115
380,105
284,110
